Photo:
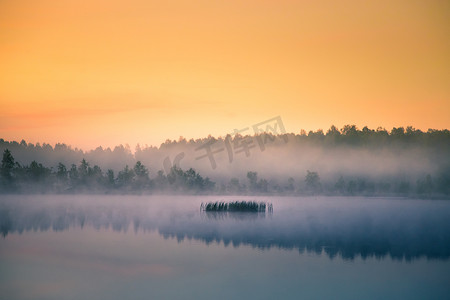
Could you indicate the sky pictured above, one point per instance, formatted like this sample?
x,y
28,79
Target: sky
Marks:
x,y
104,73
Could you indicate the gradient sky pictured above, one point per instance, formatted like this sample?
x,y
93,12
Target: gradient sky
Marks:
x,y
90,73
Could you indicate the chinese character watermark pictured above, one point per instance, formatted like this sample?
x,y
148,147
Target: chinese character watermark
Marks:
x,y
242,144
235,143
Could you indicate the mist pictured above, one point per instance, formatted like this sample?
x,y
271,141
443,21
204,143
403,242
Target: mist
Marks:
x,y
347,161
401,229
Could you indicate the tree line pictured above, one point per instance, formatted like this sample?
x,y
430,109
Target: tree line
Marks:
x,y
434,141
85,178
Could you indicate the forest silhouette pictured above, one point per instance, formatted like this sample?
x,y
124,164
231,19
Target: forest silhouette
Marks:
x,y
349,161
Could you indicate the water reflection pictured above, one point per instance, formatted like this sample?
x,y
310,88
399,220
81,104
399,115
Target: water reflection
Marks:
x,y
377,232
239,216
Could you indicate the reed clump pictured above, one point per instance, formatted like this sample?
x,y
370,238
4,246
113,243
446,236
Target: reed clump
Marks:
x,y
237,206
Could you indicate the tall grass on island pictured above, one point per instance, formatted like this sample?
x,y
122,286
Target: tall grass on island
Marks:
x,y
237,206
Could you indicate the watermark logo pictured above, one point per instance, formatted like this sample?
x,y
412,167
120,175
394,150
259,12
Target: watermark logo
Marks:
x,y
236,143
168,165
276,129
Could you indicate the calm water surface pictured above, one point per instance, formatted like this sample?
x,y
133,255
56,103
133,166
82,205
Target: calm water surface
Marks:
x,y
152,247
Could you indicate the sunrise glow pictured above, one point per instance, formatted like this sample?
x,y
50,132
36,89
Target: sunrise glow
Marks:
x,y
115,72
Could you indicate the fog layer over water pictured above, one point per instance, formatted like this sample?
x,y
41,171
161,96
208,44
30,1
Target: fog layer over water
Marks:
x,y
148,247
349,227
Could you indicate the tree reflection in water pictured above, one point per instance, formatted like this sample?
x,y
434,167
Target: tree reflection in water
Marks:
x,y
408,234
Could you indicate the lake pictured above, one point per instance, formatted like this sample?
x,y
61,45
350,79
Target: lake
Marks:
x,y
164,247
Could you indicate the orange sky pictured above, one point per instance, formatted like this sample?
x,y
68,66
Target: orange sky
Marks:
x,y
115,72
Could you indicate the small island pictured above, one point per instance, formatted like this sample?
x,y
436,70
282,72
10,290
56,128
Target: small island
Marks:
x,y
237,206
